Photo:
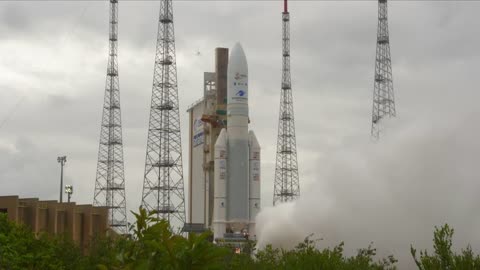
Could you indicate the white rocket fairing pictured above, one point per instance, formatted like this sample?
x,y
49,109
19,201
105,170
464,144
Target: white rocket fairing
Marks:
x,y
237,158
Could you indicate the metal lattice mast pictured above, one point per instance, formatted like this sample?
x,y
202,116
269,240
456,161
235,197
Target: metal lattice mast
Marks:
x,y
163,189
286,182
110,179
383,97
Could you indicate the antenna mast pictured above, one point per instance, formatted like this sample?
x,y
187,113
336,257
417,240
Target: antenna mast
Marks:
x,y
383,96
286,182
163,188
110,179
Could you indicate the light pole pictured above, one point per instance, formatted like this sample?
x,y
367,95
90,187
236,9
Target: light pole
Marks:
x,y
62,161
69,191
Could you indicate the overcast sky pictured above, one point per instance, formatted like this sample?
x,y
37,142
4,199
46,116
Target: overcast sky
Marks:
x,y
53,68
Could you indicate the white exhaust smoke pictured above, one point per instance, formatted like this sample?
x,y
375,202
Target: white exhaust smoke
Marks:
x,y
391,193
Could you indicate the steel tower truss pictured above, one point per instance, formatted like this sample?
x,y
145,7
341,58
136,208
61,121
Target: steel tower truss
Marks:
x,y
110,178
286,182
383,97
163,188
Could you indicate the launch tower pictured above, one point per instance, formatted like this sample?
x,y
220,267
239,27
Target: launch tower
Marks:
x,y
286,182
383,97
163,189
208,116
110,178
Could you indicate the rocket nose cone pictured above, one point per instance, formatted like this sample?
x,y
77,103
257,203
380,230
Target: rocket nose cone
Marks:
x,y
253,139
237,47
238,55
237,79
222,139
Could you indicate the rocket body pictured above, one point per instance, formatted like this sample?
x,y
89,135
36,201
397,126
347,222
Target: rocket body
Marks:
x,y
237,158
237,130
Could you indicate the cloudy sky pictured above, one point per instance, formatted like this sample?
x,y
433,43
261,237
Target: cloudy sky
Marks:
x,y
52,74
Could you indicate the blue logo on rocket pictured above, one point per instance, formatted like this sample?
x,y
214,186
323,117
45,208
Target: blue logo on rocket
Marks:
x,y
240,93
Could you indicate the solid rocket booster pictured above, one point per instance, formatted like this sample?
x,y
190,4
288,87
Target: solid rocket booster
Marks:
x,y
254,180
237,158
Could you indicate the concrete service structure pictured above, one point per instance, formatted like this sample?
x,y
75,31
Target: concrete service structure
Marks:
x,y
207,117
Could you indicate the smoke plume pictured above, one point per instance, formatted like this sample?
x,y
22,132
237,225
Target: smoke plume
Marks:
x,y
419,175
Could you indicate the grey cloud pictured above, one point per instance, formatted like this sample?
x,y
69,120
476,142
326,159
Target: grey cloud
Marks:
x,y
38,173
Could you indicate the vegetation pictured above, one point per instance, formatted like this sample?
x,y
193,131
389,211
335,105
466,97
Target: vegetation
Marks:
x,y
153,246
443,256
20,249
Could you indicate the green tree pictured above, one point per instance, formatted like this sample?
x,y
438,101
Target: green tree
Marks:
x,y
20,248
155,246
307,256
443,257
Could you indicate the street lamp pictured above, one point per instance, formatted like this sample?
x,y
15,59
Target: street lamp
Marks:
x,y
69,191
62,161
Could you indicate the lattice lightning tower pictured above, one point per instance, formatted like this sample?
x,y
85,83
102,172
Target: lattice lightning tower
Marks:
x,y
110,179
163,179
286,182
383,97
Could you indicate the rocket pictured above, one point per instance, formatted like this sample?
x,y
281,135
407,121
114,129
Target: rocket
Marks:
x,y
237,159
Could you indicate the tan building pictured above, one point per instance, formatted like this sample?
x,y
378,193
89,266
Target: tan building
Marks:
x,y
78,222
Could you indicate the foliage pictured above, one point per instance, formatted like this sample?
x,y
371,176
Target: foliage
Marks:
x,y
153,245
307,256
21,249
443,256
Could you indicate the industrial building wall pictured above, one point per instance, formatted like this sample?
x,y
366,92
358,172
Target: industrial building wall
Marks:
x,y
42,220
57,218
196,173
